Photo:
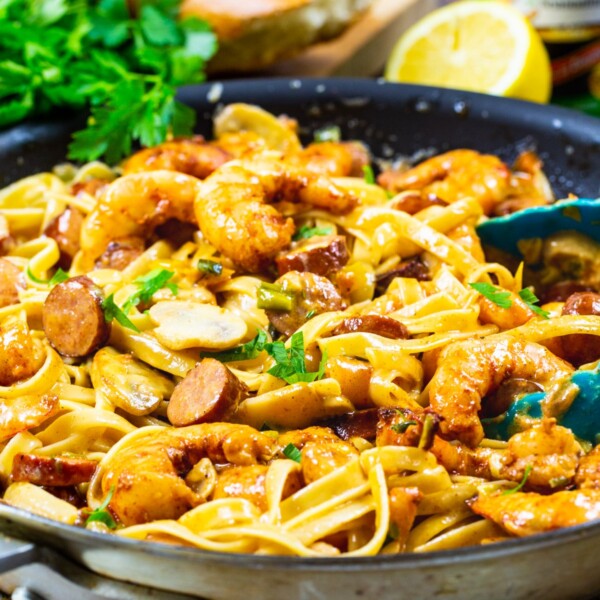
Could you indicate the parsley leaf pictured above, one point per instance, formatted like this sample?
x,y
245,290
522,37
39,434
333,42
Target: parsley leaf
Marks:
x,y
95,54
306,232
290,364
402,427
494,294
101,514
521,483
246,351
149,284
531,300
112,311
291,452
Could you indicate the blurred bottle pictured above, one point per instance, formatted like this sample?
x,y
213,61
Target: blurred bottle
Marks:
x,y
571,31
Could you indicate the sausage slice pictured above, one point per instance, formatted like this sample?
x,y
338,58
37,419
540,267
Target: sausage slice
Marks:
x,y
322,255
73,318
581,348
65,229
379,324
52,471
119,254
209,392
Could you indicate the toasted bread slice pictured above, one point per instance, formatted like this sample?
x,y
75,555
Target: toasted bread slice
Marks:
x,y
255,33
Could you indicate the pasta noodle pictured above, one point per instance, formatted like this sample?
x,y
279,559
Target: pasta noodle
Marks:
x,y
160,379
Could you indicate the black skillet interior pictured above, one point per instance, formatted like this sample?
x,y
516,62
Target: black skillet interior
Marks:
x,y
392,119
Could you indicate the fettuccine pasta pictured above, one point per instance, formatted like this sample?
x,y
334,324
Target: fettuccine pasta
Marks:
x,y
247,345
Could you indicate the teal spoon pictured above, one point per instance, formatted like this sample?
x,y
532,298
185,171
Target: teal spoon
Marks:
x,y
504,233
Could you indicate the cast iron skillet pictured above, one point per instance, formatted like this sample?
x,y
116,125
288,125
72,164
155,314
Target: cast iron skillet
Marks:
x,y
392,119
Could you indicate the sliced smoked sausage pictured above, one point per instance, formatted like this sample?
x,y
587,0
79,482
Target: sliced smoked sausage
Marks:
x,y
52,471
322,255
65,230
379,324
73,318
209,392
581,348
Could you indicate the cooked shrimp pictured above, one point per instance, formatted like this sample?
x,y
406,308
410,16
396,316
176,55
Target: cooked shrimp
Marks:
x,y
321,458
526,513
249,482
25,412
549,451
518,313
455,175
147,476
336,159
528,186
21,355
588,471
470,370
193,156
404,427
133,205
234,216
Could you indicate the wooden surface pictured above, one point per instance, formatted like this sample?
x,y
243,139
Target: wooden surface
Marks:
x,y
363,49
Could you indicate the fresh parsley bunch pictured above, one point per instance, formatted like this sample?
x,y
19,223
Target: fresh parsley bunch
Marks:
x,y
122,59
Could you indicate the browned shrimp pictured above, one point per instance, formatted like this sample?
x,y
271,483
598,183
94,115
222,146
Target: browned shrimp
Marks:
x,y
234,213
526,513
148,475
336,159
21,355
193,156
505,318
322,450
133,206
455,175
548,450
470,370
25,412
249,482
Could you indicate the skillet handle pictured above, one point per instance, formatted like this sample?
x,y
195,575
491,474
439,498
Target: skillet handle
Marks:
x,y
16,553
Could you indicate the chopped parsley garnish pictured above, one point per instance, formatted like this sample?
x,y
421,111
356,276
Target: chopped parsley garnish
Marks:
x,y
112,311
494,294
102,514
149,284
291,452
328,134
402,427
58,277
290,363
531,300
122,60
246,351
502,297
209,267
369,175
305,232
521,483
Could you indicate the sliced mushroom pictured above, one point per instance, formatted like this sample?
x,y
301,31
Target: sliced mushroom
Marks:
x,y
193,325
128,383
239,117
295,406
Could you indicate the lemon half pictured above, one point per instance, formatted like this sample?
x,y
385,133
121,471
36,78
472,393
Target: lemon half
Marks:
x,y
480,46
